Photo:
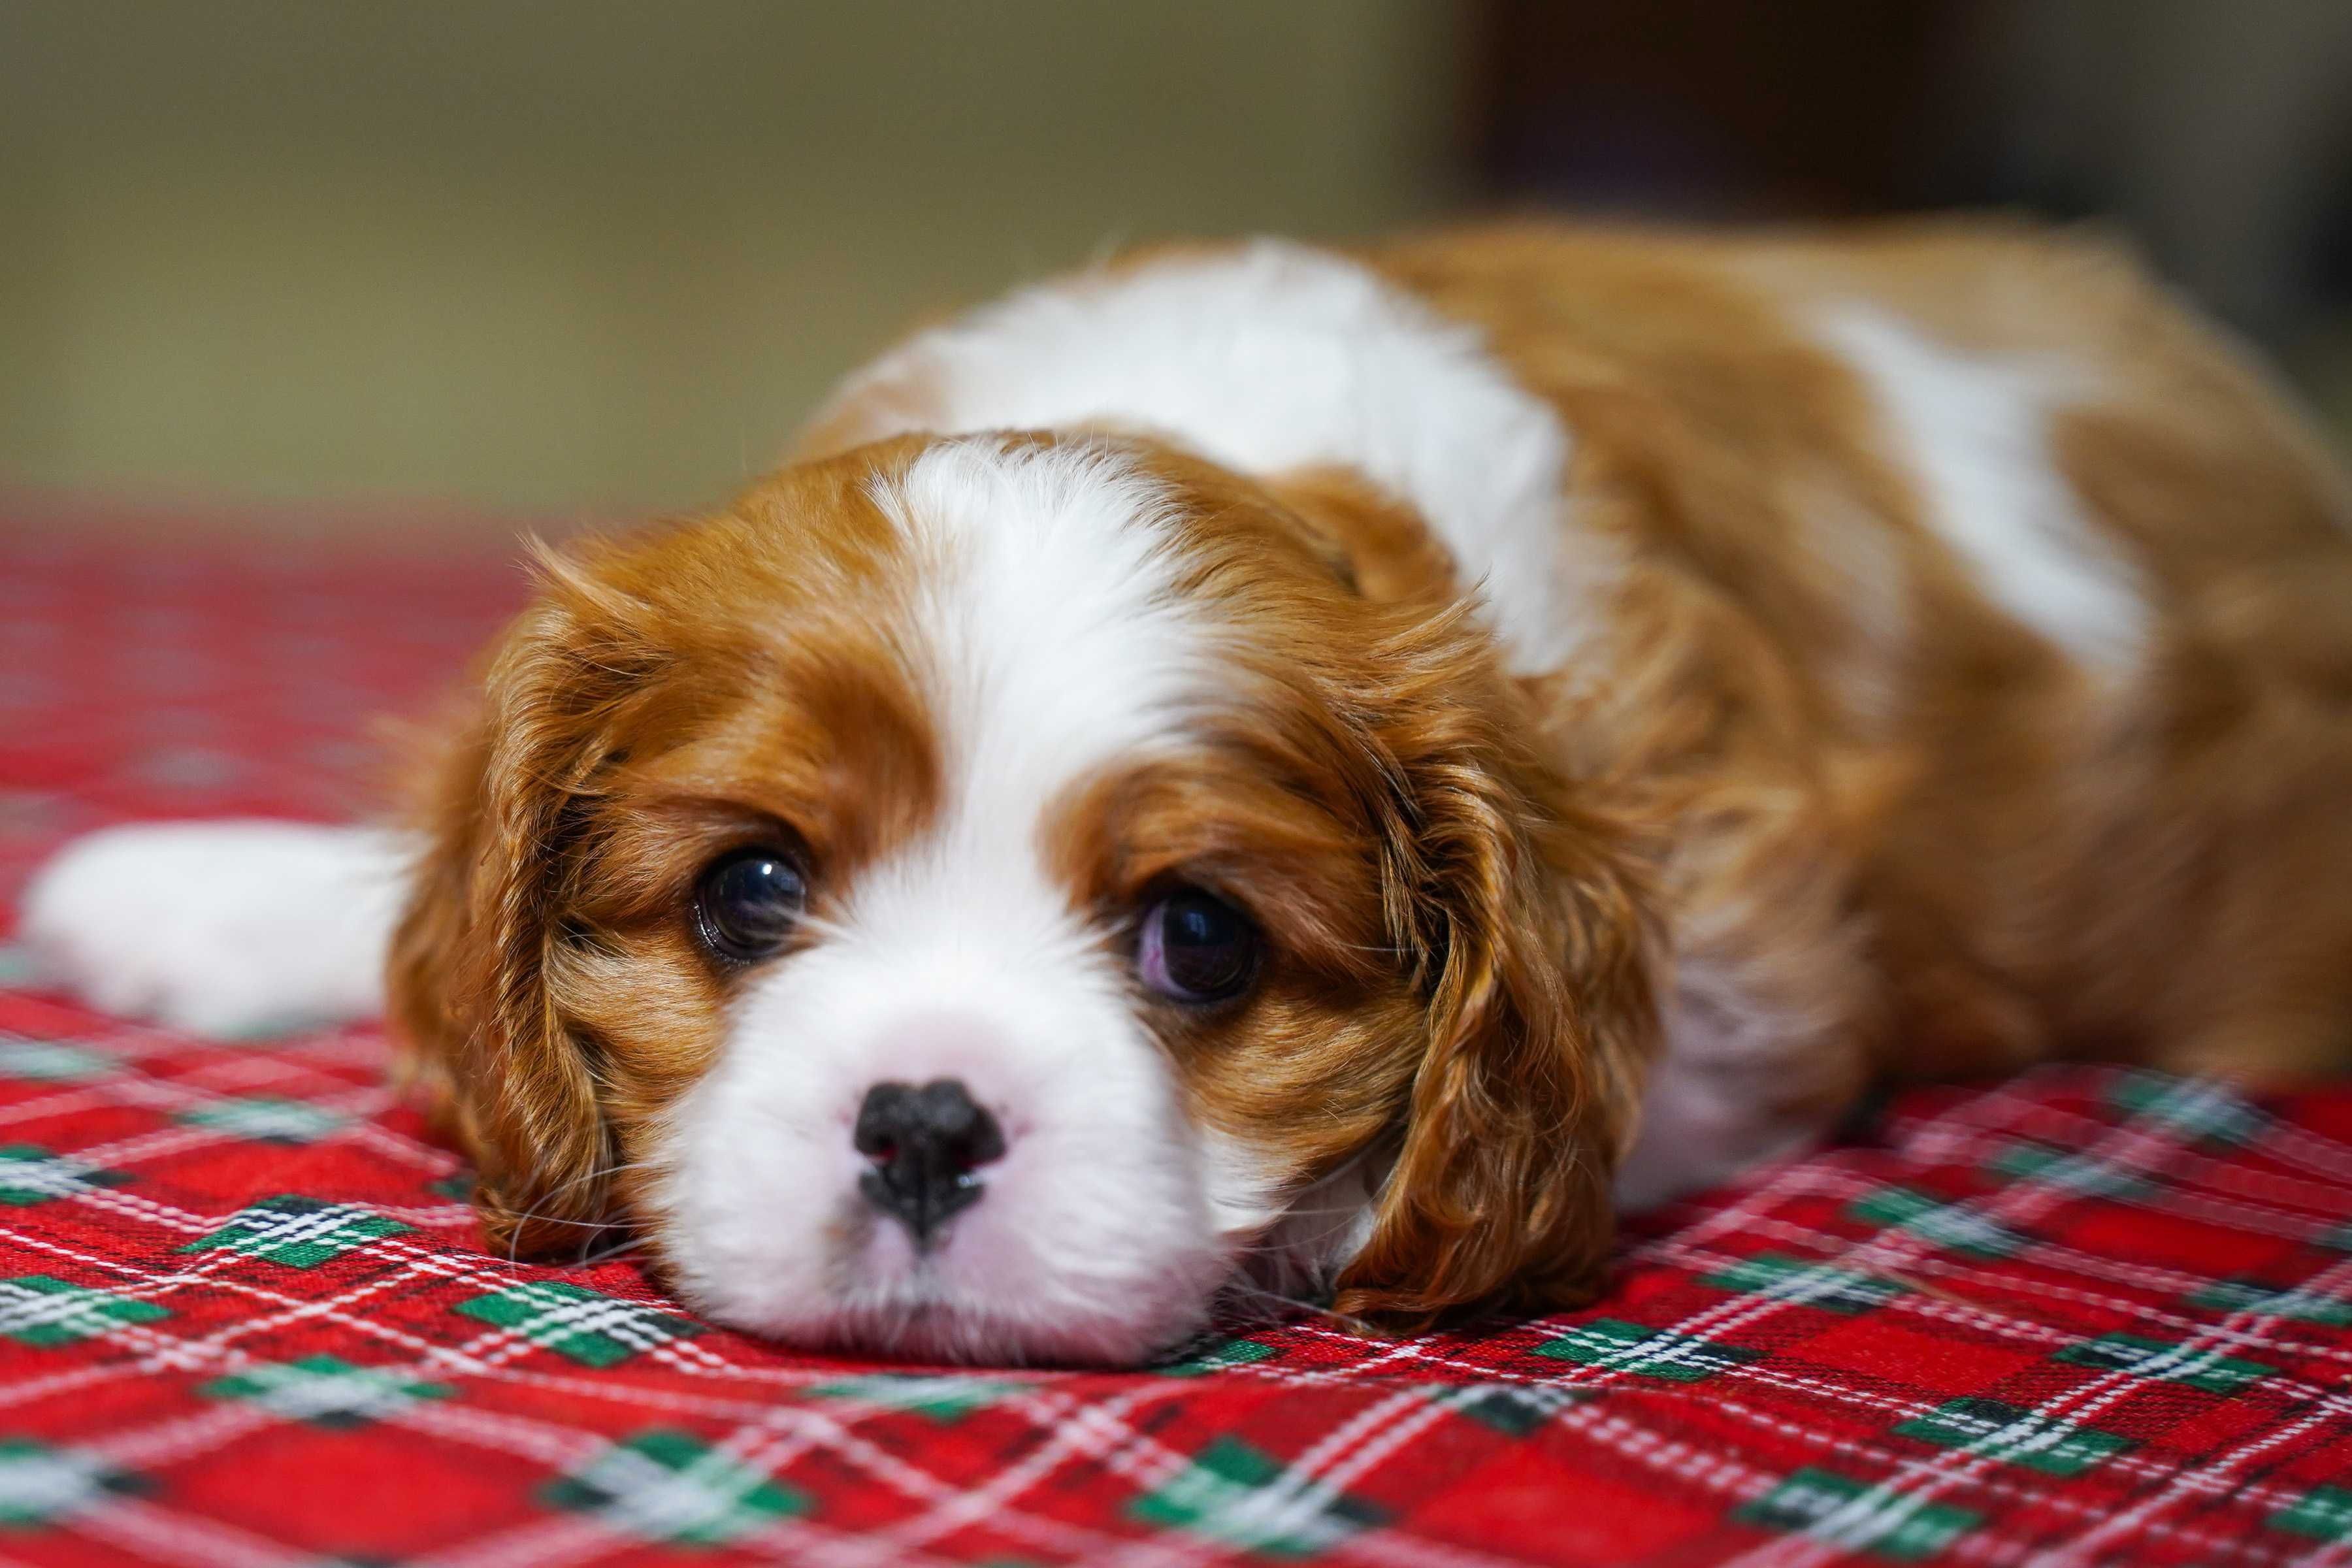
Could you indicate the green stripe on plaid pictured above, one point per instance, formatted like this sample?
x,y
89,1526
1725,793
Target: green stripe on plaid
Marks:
x,y
1814,1284
50,1062
1215,1358
41,1484
38,1310
1621,1346
1826,1505
263,1120
2016,1435
666,1485
2206,1369
1823,1504
1517,1409
1951,1225
573,1321
1231,1492
2195,1108
324,1391
297,1232
2323,1513
2299,1302
31,1175
2066,1170
946,1400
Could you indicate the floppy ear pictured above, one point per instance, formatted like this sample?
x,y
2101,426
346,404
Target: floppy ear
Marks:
x,y
1533,936
469,975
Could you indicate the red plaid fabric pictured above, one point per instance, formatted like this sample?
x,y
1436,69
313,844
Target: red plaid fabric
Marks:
x,y
2084,1317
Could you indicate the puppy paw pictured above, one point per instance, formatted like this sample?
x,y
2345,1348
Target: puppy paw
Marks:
x,y
220,928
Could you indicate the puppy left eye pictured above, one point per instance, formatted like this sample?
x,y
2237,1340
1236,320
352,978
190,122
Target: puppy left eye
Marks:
x,y
746,903
1195,947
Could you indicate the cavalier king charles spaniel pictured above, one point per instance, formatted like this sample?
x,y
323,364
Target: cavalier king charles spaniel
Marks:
x,y
1330,775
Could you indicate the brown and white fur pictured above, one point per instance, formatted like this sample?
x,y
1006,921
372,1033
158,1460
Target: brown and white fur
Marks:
x,y
1641,688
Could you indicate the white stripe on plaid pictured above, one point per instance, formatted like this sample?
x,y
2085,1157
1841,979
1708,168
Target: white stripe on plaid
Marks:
x,y
2126,1136
2210,1480
2052,1333
1401,1349
1884,1507
2164,1280
51,1062
580,1386
39,1482
2162,1194
707,1494
152,1534
226,1118
551,1315
2233,1548
1937,1139
32,1314
1291,1507
281,1068
557,1446
316,1389
260,1230
508,1373
2211,1473
142,1091
44,1176
2055,1128
2030,1492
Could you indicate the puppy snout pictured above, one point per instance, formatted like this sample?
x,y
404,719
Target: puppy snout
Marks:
x,y
926,1147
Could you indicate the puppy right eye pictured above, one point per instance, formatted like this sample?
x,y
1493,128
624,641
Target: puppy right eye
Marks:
x,y
1195,947
747,902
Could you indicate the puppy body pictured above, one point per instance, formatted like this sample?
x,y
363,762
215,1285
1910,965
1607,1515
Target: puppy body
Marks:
x,y
1964,632
1637,688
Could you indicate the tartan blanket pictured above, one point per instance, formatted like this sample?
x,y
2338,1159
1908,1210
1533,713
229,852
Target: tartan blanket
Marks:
x,y
2087,1316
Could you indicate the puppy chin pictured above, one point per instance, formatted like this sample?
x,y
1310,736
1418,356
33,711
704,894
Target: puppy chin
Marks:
x,y
993,1287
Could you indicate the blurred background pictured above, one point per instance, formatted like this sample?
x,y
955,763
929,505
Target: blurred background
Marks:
x,y
267,262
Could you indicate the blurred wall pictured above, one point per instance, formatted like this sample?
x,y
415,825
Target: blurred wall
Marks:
x,y
2215,134
596,256
600,257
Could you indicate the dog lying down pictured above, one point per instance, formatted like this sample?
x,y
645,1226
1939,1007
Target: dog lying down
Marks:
x,y
1274,770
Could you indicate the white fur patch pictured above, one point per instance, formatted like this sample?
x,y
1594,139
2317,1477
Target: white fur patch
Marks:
x,y
1054,639
222,928
1273,357
1974,431
1299,1240
1045,625
1708,1112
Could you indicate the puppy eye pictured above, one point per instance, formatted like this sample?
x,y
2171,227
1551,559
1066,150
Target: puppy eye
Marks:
x,y
1195,947
747,903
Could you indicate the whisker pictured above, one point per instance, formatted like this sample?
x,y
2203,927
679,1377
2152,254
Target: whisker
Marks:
x,y
1347,1320
514,1239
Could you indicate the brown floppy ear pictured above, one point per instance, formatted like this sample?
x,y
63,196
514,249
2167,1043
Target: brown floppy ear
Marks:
x,y
469,975
1533,933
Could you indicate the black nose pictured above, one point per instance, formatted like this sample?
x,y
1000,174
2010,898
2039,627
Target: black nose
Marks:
x,y
926,1144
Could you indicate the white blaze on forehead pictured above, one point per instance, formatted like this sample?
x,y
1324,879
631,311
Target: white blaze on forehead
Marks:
x,y
1048,627
1046,630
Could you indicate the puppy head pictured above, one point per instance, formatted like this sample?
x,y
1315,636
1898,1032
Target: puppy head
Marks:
x,y
981,898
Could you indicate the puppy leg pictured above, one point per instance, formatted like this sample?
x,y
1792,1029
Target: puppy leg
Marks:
x,y
221,928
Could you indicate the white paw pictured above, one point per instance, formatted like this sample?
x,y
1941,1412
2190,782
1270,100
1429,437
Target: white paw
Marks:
x,y
220,928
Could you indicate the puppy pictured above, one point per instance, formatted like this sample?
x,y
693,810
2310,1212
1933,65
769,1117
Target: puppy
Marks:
x,y
1267,769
